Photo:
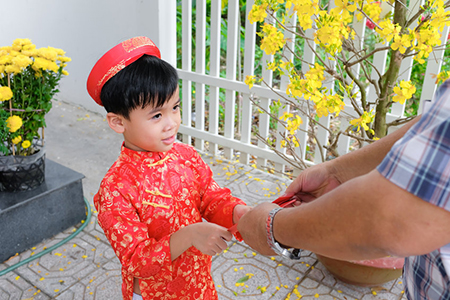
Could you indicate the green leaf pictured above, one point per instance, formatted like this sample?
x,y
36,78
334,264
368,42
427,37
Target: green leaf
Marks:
x,y
243,279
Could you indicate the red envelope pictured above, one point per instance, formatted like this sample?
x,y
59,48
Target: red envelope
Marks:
x,y
281,201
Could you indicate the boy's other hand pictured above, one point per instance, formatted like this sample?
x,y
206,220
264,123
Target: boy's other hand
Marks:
x,y
210,238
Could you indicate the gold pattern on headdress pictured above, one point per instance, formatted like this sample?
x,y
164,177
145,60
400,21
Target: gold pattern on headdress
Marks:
x,y
111,72
137,42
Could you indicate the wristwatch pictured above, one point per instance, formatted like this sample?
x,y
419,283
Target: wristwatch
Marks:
x,y
290,253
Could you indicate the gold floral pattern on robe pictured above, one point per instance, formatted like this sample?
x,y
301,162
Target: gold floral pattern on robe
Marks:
x,y
142,200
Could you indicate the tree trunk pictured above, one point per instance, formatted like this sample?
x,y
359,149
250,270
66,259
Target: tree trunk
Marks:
x,y
389,78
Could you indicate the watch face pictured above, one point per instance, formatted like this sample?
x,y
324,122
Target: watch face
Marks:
x,y
293,254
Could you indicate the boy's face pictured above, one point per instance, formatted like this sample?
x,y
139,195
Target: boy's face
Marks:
x,y
153,129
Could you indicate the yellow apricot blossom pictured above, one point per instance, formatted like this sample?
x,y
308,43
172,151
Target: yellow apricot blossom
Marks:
x,y
305,10
373,10
388,30
250,80
403,92
401,42
273,39
344,8
363,121
286,115
258,13
443,76
293,124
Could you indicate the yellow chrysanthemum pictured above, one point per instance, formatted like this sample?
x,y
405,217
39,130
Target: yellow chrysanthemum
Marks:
x,y
12,69
18,44
48,53
21,61
5,93
16,140
26,144
14,123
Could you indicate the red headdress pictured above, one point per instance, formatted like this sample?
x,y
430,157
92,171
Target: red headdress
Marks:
x,y
115,60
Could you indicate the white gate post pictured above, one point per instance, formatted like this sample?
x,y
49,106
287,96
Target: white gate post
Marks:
x,y
167,30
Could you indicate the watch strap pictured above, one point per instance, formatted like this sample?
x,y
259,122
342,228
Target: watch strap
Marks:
x,y
273,244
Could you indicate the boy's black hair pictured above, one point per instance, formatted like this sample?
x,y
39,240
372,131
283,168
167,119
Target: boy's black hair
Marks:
x,y
147,81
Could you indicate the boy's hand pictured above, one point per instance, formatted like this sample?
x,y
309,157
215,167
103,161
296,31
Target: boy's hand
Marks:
x,y
239,211
209,238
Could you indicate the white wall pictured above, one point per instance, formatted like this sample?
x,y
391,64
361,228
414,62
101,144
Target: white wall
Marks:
x,y
86,29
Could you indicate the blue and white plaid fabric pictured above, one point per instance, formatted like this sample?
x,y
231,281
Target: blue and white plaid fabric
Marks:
x,y
420,164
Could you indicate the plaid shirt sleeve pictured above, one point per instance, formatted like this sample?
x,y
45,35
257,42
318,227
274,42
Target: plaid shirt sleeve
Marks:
x,y
420,164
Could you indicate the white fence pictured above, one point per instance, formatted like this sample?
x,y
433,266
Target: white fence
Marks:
x,y
204,110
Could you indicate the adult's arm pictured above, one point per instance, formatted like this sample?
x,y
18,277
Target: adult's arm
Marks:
x,y
364,218
367,158
322,178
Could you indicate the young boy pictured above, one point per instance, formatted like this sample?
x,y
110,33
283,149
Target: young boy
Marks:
x,y
152,200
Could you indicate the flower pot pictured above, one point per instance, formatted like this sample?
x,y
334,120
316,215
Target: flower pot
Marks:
x,y
365,272
22,173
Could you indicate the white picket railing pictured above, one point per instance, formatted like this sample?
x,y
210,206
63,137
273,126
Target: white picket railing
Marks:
x,y
207,87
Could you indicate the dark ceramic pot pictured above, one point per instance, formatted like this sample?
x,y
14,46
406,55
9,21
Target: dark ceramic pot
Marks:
x,y
22,173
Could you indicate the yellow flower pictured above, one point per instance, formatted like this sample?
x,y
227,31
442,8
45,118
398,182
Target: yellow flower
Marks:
x,y
443,76
373,10
388,30
14,123
294,124
362,121
40,64
48,53
18,44
401,42
344,8
249,80
21,61
26,144
258,13
273,40
12,69
17,140
404,91
286,115
5,93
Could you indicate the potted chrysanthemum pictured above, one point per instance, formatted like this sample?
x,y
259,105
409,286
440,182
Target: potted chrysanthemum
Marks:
x,y
29,79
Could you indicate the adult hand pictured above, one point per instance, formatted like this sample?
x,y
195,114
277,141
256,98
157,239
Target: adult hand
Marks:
x,y
313,183
252,227
209,238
